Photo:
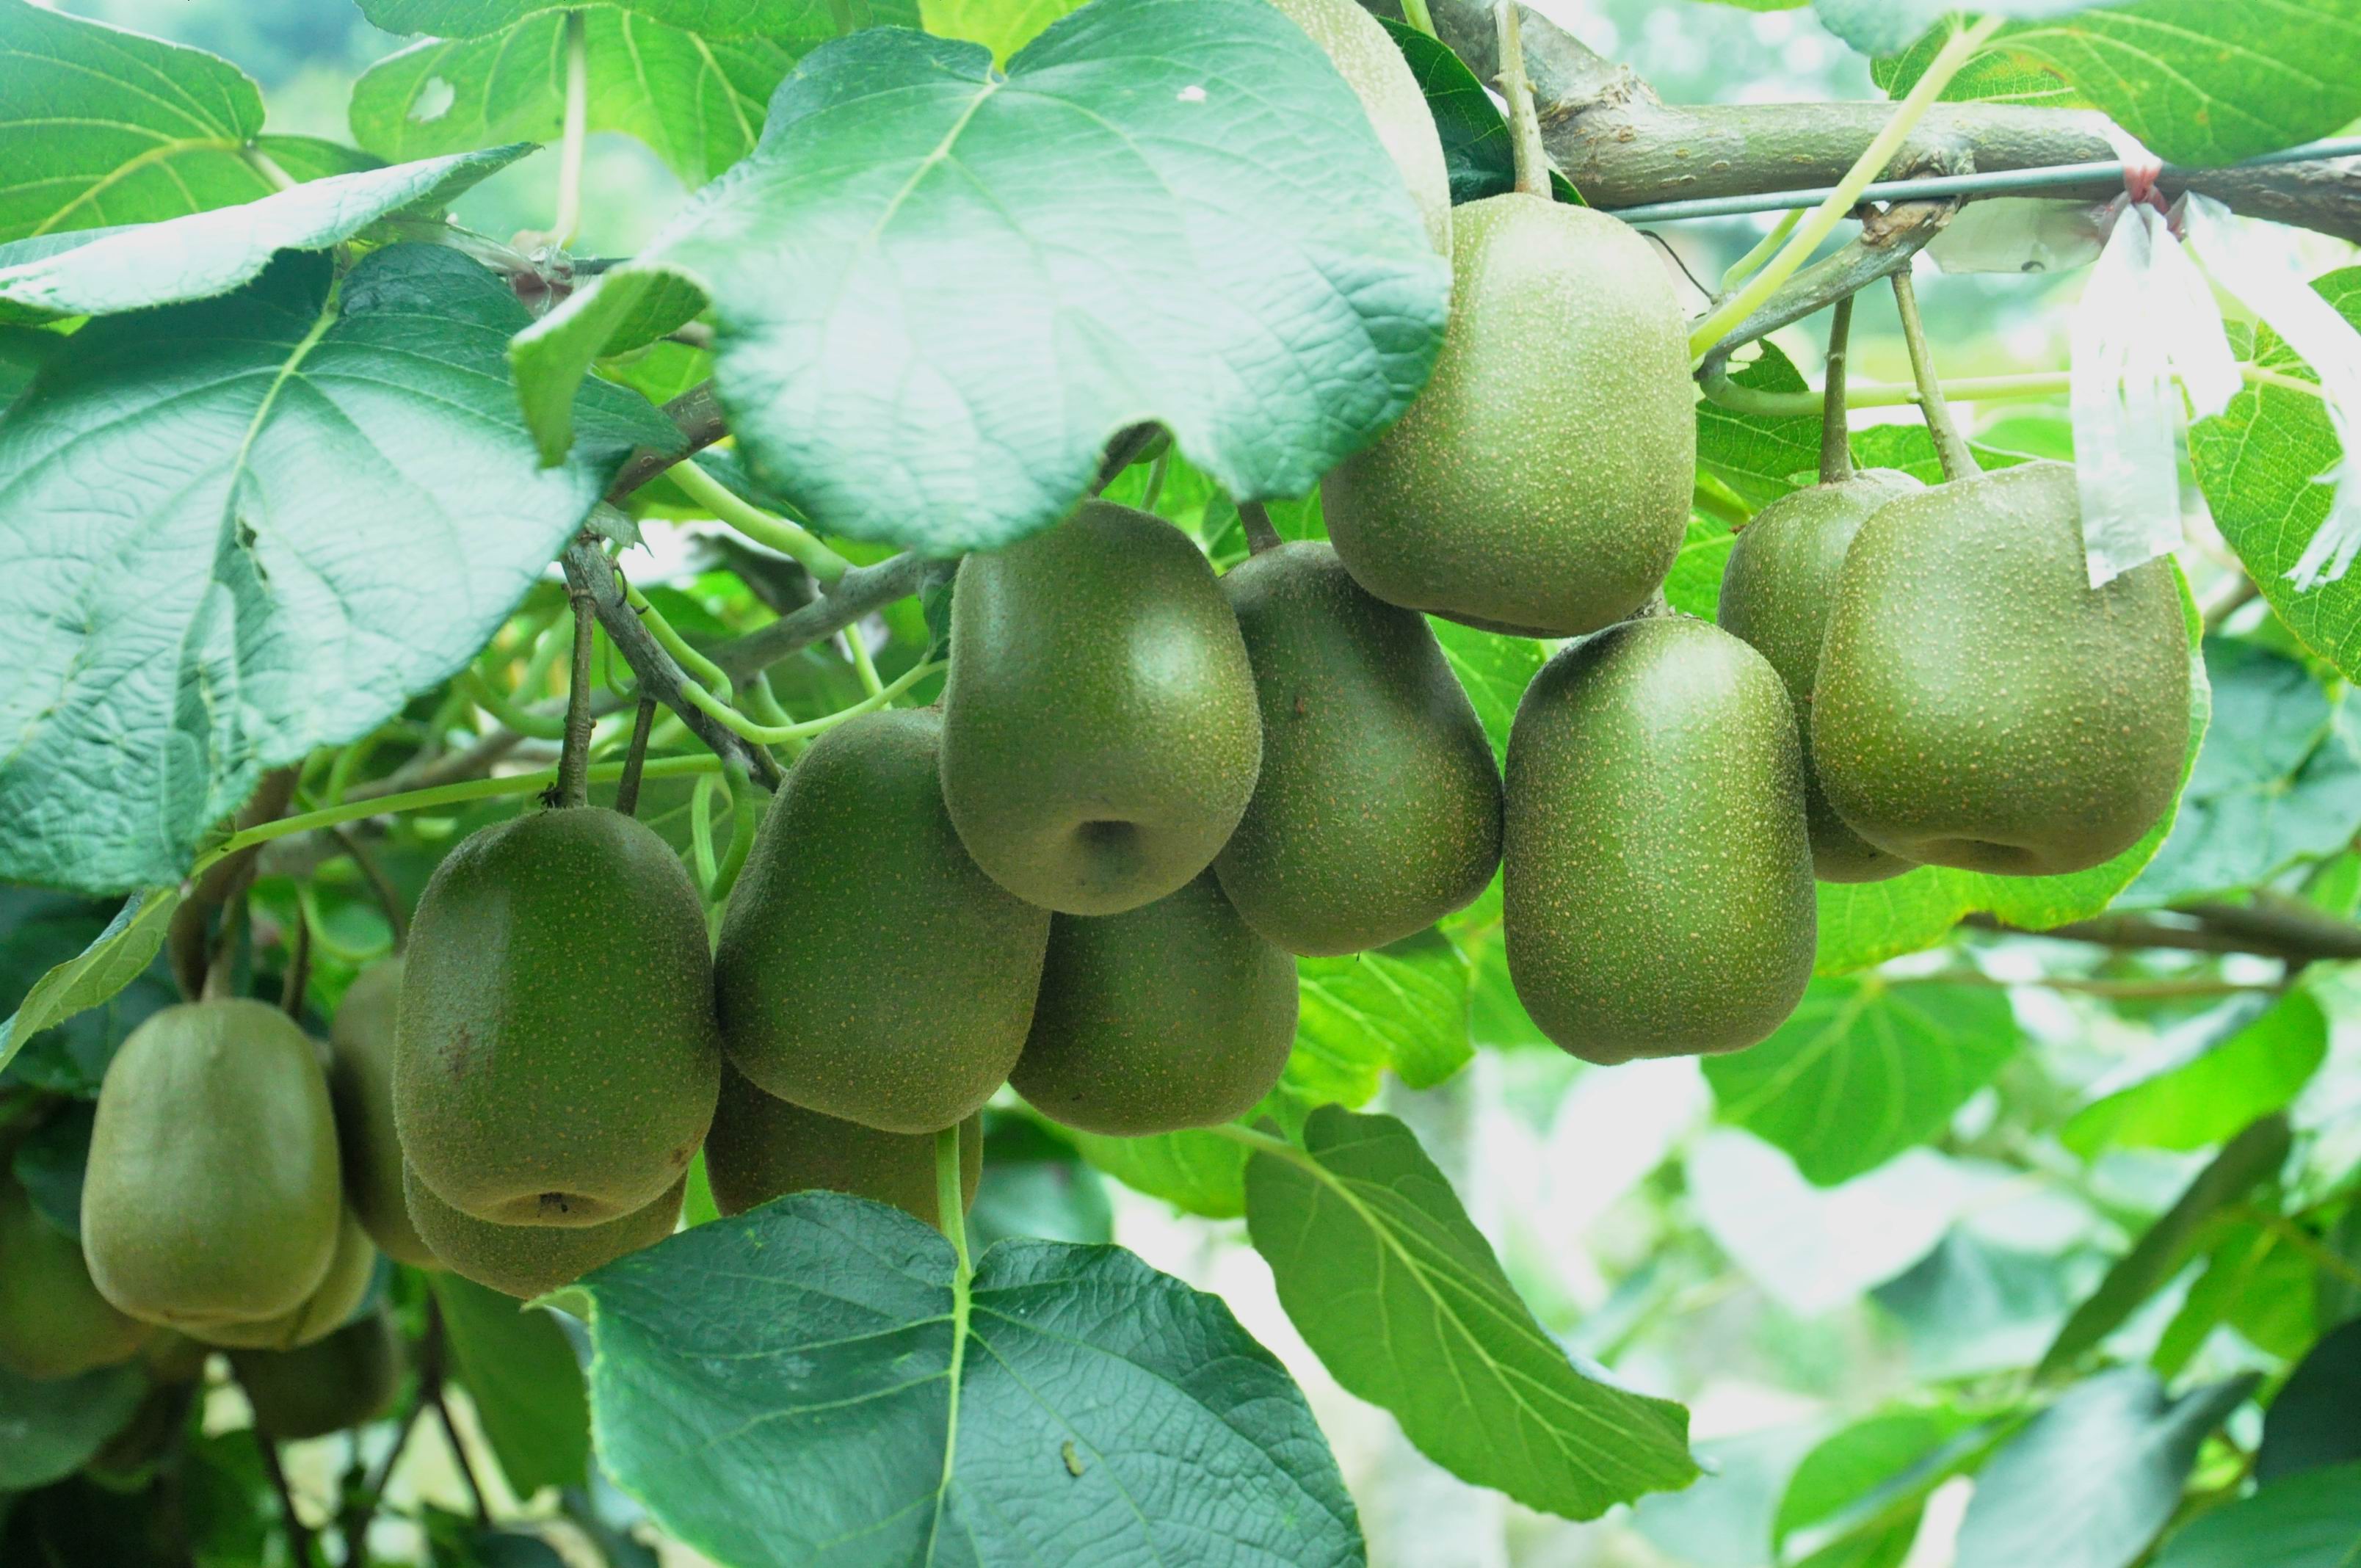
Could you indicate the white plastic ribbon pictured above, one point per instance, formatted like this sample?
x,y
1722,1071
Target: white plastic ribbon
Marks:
x,y
2145,317
2324,340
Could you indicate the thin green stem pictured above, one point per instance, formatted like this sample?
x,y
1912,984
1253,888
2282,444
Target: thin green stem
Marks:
x,y
307,906
1950,447
1154,490
577,130
862,664
1836,433
950,1193
1532,159
701,670
1261,532
951,1216
1824,218
700,831
1746,266
786,734
745,816
484,695
1419,16
791,540
262,163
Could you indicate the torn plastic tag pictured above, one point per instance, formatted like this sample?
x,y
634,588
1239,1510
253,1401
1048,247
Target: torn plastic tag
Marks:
x,y
2020,234
2145,316
2324,340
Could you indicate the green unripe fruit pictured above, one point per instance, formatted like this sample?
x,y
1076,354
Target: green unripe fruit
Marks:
x,y
1659,891
1174,1015
1374,68
526,1261
761,1147
212,1195
1378,807
360,1087
1541,482
1100,737
335,1383
53,1322
1777,592
1980,704
333,1301
868,969
557,1057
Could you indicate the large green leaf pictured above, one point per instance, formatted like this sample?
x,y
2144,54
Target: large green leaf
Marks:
x,y
1759,457
2279,781
115,958
2206,1079
2308,1520
1393,1286
49,1427
1479,154
939,290
526,1386
1197,1171
1864,1068
210,253
101,127
2251,1158
318,501
2091,1480
1889,1462
814,1383
808,21
2259,462
2315,1422
1862,924
1493,670
1402,1006
2198,82
1970,1307
697,100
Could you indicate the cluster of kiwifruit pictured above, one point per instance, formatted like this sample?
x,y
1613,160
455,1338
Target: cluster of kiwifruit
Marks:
x,y
1147,789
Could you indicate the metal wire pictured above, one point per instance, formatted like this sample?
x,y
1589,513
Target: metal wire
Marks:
x,y
1941,185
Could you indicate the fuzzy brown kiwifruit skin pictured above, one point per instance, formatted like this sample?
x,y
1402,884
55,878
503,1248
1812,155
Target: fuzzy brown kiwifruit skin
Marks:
x,y
1378,807
1658,896
1540,483
1979,703
556,1056
53,1322
333,1301
1177,1015
1101,737
762,1147
1776,591
526,1261
868,969
361,1086
212,1197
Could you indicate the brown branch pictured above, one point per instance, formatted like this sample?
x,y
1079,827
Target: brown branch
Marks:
x,y
2291,933
1623,146
696,413
859,592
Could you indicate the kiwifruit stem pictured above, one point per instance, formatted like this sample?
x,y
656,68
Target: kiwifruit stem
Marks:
x,y
1532,160
574,760
1419,17
298,978
950,1206
1836,434
635,759
1261,533
1950,447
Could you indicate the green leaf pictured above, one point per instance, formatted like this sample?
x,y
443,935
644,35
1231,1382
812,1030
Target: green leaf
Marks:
x,y
1387,1279
526,1386
2251,1279
1762,457
697,100
1003,27
2200,82
50,1427
814,1383
1035,1185
2258,463
100,127
810,21
1226,248
290,472
1694,585
111,962
49,1162
210,253
1862,924
2315,1422
1970,1307
2278,784
1196,1171
2091,1480
1886,1459
1493,670
2253,1157
1864,1068
2310,1520
1403,1006
2206,1079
